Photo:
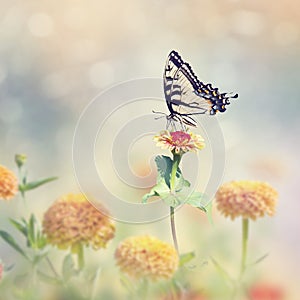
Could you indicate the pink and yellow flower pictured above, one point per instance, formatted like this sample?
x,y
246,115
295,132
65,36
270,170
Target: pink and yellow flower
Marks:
x,y
73,220
249,199
146,257
8,184
179,142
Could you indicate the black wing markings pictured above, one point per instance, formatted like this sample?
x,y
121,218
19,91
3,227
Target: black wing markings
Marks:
x,y
186,95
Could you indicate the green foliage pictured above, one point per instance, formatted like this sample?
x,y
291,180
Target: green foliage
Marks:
x,y
30,229
68,268
182,193
24,187
12,242
186,258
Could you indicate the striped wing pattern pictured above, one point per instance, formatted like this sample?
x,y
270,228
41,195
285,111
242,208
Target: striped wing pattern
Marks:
x,y
186,95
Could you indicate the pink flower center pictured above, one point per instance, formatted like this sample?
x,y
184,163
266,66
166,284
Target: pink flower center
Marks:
x,y
180,137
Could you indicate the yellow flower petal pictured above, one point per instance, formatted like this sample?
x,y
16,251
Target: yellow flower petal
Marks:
x,y
179,141
8,184
249,199
146,257
72,220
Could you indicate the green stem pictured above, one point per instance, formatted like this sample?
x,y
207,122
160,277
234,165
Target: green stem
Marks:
x,y
176,161
52,267
34,274
80,257
173,228
245,233
94,285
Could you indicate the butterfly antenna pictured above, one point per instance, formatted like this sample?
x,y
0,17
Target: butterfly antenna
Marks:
x,y
160,113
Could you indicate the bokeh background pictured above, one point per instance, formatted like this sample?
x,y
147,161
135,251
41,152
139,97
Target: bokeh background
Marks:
x,y
55,57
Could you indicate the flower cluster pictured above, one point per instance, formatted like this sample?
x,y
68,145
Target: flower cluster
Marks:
x,y
8,184
73,220
179,142
249,199
147,257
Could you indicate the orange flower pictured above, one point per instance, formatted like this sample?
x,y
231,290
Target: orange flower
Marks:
x,y
266,292
249,199
8,184
179,142
146,257
73,220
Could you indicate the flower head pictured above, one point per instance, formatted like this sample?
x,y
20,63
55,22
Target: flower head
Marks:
x,y
249,199
266,291
146,257
20,159
8,184
179,142
73,220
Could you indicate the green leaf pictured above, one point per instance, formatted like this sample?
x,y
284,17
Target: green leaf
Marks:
x,y
8,268
260,259
127,283
49,279
162,187
39,257
159,189
34,184
68,267
11,241
185,258
41,240
171,199
164,167
31,231
222,271
196,199
94,282
19,226
208,209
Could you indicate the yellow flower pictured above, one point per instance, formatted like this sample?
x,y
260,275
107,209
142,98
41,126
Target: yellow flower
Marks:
x,y
146,257
73,220
179,142
249,199
8,184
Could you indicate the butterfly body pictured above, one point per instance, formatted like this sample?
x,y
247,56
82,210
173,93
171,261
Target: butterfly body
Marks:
x,y
186,95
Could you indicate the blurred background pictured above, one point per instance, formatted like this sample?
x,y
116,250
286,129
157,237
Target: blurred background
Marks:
x,y
54,58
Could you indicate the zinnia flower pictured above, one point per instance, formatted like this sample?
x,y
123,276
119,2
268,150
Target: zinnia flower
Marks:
x,y
179,142
73,220
249,199
266,292
8,184
146,257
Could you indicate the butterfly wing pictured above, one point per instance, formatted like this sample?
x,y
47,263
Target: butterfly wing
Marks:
x,y
186,95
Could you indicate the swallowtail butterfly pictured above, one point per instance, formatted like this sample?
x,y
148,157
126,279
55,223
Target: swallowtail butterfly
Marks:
x,y
187,96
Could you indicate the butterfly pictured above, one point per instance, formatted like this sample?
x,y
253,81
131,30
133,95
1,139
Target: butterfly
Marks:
x,y
187,96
